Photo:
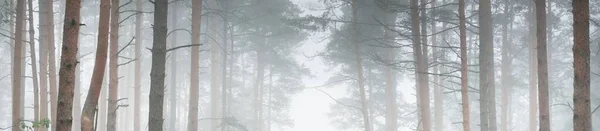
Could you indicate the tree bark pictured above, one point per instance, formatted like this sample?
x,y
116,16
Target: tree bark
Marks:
x,y
138,66
52,62
391,120
486,66
532,69
194,80
68,65
464,80
34,73
360,75
113,68
16,71
157,73
174,56
542,66
43,52
424,62
91,101
581,66
506,69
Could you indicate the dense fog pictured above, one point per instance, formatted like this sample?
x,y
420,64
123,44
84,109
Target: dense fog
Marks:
x,y
299,65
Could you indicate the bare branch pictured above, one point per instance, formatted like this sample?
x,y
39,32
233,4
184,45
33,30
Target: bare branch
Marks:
x,y
122,64
183,46
128,44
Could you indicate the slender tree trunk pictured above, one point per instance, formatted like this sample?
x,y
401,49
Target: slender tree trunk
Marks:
x,y
138,66
415,26
214,72
486,66
68,65
581,66
174,56
260,71
224,74
16,71
424,93
438,90
157,73
542,65
43,52
113,68
91,101
464,80
391,120
52,62
532,69
506,70
34,73
360,75
194,80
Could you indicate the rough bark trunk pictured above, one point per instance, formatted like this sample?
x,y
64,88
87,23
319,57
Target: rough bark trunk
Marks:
x,y
91,101
34,73
391,120
464,80
415,25
16,71
68,65
157,73
194,80
532,69
486,66
506,70
542,62
581,66
113,68
138,66
360,75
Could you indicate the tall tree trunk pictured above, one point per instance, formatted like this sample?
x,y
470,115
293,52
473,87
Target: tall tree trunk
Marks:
x,y
506,69
464,80
542,65
415,26
113,68
391,120
258,85
68,65
424,93
16,71
157,73
194,80
138,65
214,72
532,69
174,56
91,101
438,90
581,66
224,74
486,67
34,73
360,75
43,52
52,62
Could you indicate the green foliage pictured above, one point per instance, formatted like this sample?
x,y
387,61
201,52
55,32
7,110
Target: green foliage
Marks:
x,y
30,125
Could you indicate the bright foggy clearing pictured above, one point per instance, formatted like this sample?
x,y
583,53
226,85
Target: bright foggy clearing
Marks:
x,y
299,65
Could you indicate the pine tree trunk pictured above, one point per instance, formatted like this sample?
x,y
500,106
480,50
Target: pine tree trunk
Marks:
x,y
391,120
532,69
91,101
360,75
68,65
34,73
138,66
16,71
52,62
486,66
157,73
224,74
438,90
464,83
174,56
542,65
194,80
581,66
43,53
113,68
214,70
506,70
424,62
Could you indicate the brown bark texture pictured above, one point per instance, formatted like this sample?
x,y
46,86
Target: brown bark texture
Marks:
x,y
16,71
581,66
542,62
194,83
113,68
486,66
464,86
